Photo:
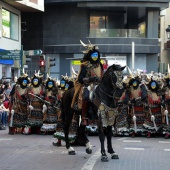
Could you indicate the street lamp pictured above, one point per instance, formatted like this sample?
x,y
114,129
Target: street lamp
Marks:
x,y
168,32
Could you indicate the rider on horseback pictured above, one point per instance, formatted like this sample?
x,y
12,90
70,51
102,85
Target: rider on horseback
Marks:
x,y
91,71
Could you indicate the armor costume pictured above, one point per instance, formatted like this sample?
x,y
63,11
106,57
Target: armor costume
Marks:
x,y
153,122
35,108
166,105
138,97
50,110
66,83
18,104
122,120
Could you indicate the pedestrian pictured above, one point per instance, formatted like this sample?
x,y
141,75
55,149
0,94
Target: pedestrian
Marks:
x,y
105,65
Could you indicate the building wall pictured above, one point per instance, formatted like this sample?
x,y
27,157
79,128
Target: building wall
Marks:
x,y
6,43
64,25
9,44
37,4
164,22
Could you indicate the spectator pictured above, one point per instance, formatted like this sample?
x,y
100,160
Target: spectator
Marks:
x,y
105,65
7,91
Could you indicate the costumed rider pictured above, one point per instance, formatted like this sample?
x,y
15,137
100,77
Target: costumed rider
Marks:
x,y
50,105
18,104
36,101
91,72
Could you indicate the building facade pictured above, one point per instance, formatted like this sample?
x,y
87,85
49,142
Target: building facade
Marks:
x,y
112,25
164,41
12,28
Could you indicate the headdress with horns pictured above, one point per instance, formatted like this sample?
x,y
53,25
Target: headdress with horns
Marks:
x,y
91,49
37,79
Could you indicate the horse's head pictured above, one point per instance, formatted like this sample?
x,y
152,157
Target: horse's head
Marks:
x,y
115,76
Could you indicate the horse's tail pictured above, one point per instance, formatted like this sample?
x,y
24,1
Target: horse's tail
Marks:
x,y
62,110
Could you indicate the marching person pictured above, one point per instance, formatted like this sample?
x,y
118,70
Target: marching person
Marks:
x,y
35,108
153,122
18,104
50,110
166,105
138,98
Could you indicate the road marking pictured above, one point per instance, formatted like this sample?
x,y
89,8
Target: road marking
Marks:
x,y
121,138
131,140
91,161
166,149
1,139
164,142
140,149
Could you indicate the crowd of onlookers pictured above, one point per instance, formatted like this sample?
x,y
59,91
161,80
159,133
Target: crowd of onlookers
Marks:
x,y
5,89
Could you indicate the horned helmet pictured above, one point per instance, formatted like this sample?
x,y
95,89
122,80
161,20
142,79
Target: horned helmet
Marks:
x,y
23,80
91,54
37,79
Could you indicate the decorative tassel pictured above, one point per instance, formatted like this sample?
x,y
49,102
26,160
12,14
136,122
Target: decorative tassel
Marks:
x,y
166,115
30,107
44,108
26,130
134,120
11,120
153,120
79,120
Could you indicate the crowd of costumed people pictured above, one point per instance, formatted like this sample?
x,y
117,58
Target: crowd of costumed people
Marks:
x,y
32,105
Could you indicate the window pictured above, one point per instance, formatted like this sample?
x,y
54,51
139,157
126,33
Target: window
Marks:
x,y
142,29
10,25
97,22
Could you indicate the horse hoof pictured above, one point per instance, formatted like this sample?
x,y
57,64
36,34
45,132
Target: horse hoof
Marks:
x,y
56,144
104,159
115,156
88,151
72,153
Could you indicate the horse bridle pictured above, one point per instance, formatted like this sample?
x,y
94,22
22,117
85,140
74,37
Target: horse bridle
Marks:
x,y
115,85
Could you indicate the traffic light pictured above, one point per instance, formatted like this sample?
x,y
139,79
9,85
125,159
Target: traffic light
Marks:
x,y
42,62
50,62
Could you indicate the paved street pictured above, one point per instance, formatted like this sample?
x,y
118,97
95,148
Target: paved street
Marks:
x,y
36,152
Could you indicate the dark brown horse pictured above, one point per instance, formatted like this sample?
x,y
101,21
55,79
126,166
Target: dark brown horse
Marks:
x,y
104,102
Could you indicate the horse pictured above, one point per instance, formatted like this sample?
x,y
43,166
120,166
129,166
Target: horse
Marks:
x,y
104,96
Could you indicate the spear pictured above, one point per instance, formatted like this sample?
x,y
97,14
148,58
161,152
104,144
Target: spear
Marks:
x,y
43,100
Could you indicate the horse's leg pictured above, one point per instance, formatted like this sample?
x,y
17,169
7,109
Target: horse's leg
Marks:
x,y
109,143
87,142
104,157
67,122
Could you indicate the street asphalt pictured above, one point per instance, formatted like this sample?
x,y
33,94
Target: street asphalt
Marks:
x,y
36,152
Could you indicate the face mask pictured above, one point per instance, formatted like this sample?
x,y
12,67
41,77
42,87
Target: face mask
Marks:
x,y
24,83
94,56
67,86
35,81
153,85
62,83
50,84
135,83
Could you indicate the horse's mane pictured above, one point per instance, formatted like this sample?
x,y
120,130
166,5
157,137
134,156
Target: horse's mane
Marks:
x,y
107,71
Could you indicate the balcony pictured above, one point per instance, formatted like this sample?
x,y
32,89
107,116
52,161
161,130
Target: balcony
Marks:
x,y
108,33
